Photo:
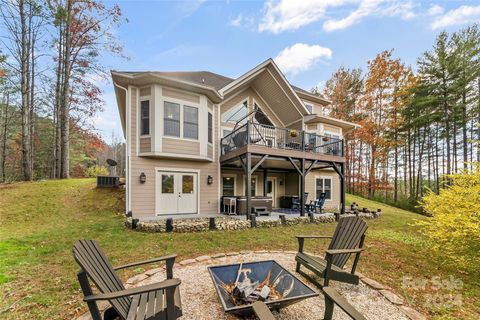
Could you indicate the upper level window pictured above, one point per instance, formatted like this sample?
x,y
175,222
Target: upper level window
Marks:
x,y
190,122
309,108
261,117
210,127
145,117
236,113
171,119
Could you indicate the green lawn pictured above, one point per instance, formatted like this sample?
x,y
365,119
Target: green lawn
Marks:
x,y
40,221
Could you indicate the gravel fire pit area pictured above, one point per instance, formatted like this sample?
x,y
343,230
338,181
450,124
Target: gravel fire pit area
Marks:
x,y
200,300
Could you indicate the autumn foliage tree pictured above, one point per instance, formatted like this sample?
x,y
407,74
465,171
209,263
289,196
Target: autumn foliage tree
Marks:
x,y
416,128
84,29
55,93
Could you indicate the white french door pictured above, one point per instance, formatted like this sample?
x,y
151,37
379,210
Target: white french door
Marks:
x,y
176,192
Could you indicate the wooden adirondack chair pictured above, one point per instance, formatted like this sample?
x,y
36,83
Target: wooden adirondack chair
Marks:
x,y
155,301
332,298
348,239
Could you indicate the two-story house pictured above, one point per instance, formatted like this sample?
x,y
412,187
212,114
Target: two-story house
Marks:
x,y
194,137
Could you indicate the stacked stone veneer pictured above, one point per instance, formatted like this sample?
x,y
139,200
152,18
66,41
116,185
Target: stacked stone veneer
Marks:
x,y
228,223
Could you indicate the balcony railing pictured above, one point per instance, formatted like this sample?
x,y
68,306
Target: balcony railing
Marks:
x,y
280,138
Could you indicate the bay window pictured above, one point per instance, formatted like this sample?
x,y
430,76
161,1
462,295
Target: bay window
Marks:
x,y
190,122
171,119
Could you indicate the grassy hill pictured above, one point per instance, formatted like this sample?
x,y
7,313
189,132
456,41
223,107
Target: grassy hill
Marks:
x,y
40,221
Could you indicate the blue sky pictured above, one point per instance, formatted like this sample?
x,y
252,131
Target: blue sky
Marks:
x,y
309,39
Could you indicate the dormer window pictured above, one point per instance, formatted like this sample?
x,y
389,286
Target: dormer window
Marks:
x,y
145,117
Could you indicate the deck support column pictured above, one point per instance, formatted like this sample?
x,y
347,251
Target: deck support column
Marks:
x,y
248,178
265,184
302,187
342,188
341,175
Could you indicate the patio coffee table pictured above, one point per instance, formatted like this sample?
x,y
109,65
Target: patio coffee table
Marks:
x,y
239,285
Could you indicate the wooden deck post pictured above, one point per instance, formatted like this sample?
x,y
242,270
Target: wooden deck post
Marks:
x,y
342,188
341,175
265,182
302,187
248,181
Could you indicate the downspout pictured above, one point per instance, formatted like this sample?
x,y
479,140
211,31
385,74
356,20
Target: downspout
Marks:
x,y
127,149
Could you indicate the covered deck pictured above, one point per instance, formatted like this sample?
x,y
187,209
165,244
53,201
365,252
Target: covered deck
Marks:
x,y
254,147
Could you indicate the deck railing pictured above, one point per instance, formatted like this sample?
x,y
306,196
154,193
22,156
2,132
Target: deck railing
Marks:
x,y
280,138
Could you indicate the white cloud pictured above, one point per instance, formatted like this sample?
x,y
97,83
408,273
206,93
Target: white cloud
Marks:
x,y
237,22
435,10
365,8
288,15
240,21
301,57
461,15
188,8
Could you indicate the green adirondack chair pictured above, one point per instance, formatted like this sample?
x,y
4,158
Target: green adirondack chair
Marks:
x,y
155,301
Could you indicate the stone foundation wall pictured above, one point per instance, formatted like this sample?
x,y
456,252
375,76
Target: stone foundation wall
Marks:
x,y
228,223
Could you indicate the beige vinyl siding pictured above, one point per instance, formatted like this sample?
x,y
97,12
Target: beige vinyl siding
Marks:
x,y
180,95
332,129
143,195
310,187
181,146
317,108
147,91
210,151
145,144
296,125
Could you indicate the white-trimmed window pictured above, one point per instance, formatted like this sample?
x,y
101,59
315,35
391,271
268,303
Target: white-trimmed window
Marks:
x,y
323,184
237,113
309,107
210,127
145,117
171,119
190,122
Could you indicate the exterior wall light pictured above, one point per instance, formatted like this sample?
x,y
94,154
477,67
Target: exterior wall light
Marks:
x,y
143,177
209,179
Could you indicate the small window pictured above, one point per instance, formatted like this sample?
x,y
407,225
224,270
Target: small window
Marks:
x,y
171,119
309,108
324,185
190,122
145,117
210,127
167,183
